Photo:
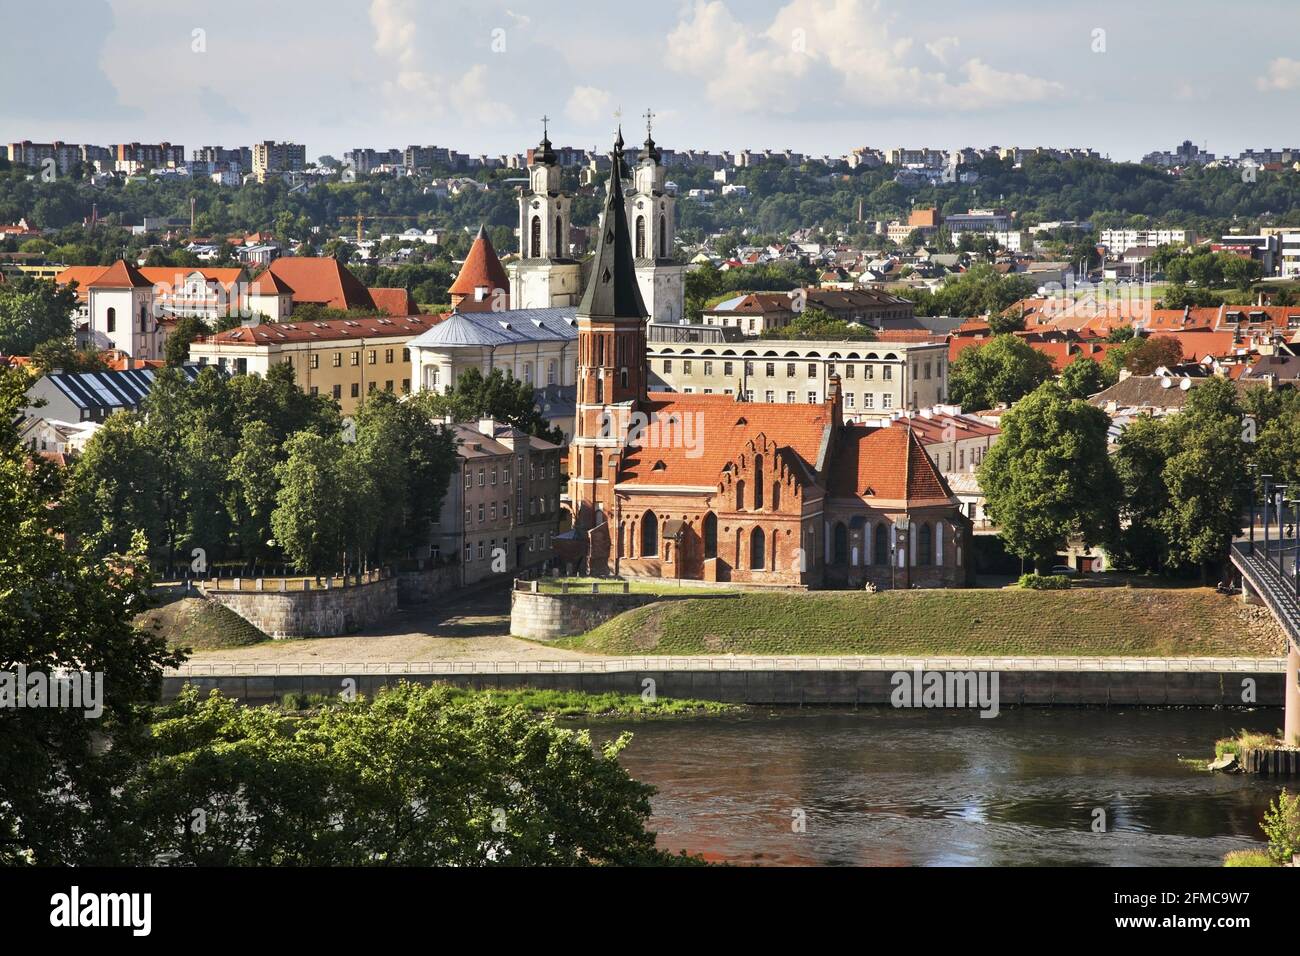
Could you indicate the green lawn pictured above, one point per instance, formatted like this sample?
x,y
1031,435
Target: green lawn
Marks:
x,y
643,586
200,625
1084,622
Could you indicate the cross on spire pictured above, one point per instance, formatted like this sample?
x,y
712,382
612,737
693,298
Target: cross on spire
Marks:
x,y
545,120
649,118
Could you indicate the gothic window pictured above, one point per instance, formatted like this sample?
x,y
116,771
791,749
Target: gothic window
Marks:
x,y
758,481
740,496
776,496
710,535
536,238
882,545
600,465
841,543
757,550
663,238
925,545
559,244
649,535
112,320
640,237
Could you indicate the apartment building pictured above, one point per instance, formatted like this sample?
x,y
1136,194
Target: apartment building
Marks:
x,y
502,509
754,313
875,377
1117,240
1289,254
136,157
272,157
345,359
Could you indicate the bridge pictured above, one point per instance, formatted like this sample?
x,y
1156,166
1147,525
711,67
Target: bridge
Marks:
x,y
1269,576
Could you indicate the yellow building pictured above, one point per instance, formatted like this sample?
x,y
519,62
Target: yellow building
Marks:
x,y
345,359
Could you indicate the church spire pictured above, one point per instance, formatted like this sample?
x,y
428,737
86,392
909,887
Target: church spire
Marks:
x,y
612,290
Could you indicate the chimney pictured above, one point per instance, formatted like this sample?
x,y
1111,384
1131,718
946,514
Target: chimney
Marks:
x,y
487,426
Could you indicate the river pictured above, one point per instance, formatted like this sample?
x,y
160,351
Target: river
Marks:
x,y
886,787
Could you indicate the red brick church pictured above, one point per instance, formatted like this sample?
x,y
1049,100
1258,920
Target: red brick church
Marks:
x,y
714,488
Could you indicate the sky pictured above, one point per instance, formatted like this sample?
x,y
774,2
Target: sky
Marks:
x,y
815,76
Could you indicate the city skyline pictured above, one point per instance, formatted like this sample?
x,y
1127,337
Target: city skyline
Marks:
x,y
718,76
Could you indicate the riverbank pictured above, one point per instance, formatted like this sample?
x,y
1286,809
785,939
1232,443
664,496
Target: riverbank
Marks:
x,y
1082,622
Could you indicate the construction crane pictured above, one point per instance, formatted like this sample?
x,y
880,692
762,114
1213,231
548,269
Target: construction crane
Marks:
x,y
361,218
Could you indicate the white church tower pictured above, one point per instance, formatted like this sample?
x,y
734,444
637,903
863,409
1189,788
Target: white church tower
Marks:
x,y
545,275
651,216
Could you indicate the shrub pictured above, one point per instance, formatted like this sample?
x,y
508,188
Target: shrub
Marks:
x,y
1045,582
1282,826
1240,858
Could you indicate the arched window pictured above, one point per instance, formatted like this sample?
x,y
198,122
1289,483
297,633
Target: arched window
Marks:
x,y
640,237
740,496
758,481
559,244
881,555
144,319
710,535
841,543
776,495
112,320
649,535
536,238
600,465
663,238
925,545
528,372
757,550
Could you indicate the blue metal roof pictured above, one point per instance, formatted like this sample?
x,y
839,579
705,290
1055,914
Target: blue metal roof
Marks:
x,y
512,327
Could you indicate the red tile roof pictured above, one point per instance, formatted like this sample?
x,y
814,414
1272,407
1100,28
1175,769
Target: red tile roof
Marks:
x,y
718,426
272,333
394,302
482,268
887,463
323,280
120,275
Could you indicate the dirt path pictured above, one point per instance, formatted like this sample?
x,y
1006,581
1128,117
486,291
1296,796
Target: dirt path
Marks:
x,y
466,627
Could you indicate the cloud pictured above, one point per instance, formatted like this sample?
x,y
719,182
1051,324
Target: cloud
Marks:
x,y
941,48
416,92
834,54
587,104
1283,74
219,109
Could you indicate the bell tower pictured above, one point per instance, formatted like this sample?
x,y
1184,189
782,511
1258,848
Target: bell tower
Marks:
x,y
611,360
545,275
652,215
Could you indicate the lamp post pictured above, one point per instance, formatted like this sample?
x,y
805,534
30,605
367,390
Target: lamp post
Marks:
x,y
1281,543
901,525
1252,468
1268,494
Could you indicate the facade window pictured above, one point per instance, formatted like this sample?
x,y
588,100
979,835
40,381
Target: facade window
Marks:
x,y
649,535
482,477
480,549
505,508
469,478
789,398
550,372
708,368
492,512
505,475
469,517
769,396
757,550
927,369
848,371
668,366
371,355
406,386
469,553
886,401
848,399
371,387
480,512
388,355
388,385
726,368
925,545
494,475
314,361
868,372
868,400
812,398
789,369
338,391
315,390
336,359
111,320
355,358
770,370
356,390
686,366
812,369
406,355
887,373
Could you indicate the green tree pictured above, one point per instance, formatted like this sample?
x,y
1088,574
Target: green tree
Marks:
x,y
1082,377
60,772
818,324
312,521
187,329
1139,540
251,491
1002,371
415,777
63,355
1205,475
113,489
501,397
33,311
1049,477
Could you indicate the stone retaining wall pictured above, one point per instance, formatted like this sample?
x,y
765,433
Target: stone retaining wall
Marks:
x,y
322,612
544,617
421,587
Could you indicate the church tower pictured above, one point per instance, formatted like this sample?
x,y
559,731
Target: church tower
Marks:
x,y
611,365
651,211
545,275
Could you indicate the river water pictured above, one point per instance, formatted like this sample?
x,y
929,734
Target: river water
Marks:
x,y
886,787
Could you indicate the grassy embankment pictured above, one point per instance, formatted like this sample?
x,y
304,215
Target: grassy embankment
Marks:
x,y
1083,622
555,703
199,625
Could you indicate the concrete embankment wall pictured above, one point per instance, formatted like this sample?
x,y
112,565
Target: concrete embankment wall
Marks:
x,y
544,617
321,612
796,687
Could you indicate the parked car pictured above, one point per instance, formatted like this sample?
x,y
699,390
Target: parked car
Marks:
x,y
1064,569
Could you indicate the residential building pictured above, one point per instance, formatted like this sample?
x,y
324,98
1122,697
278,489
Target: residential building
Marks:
x,y
75,397
1117,240
270,157
502,508
874,377
345,359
